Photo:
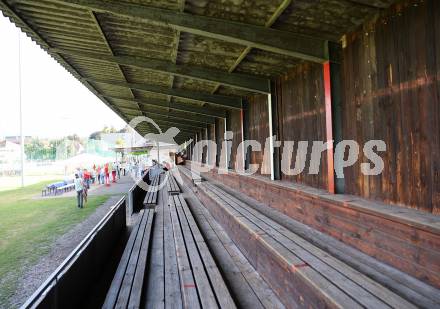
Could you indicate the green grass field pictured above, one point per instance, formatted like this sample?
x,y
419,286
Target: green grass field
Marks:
x,y
29,226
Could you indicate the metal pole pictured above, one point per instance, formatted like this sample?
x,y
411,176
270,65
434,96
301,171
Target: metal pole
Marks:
x,y
21,112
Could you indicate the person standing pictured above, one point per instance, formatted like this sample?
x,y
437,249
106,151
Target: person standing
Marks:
x,y
98,174
123,167
118,169
86,177
112,167
102,175
79,188
107,174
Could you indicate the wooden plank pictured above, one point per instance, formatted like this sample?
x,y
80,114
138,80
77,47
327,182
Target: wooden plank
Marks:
x,y
310,254
154,290
275,271
138,281
332,275
172,186
315,208
222,293
402,284
188,287
127,282
218,243
113,292
204,287
258,287
173,294
151,196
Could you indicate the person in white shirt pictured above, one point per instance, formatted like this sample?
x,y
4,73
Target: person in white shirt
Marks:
x,y
79,188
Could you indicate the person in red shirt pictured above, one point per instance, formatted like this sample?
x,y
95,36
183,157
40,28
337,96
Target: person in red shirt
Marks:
x,y
107,175
87,177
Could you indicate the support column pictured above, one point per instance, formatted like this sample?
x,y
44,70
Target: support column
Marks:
x,y
225,139
243,159
207,147
329,128
275,132
195,142
336,95
218,123
271,141
333,113
245,134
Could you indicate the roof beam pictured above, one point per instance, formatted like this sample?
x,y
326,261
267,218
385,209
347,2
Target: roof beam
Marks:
x,y
202,110
175,51
220,100
375,4
198,122
281,8
193,120
105,40
235,80
165,125
271,40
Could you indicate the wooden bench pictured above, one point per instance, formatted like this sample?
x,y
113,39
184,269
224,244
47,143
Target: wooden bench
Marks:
x,y
302,274
126,288
201,284
193,177
403,238
150,199
181,272
247,287
172,185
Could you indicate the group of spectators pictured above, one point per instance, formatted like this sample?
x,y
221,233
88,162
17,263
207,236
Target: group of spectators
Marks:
x,y
100,174
110,172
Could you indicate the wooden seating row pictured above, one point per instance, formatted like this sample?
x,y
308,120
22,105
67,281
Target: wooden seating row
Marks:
x,y
126,287
300,273
172,185
167,263
406,239
248,288
150,199
201,283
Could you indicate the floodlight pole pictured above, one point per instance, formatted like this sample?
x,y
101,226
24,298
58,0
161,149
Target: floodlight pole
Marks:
x,y
21,112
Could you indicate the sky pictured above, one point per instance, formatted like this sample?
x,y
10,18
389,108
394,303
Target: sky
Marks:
x,y
54,103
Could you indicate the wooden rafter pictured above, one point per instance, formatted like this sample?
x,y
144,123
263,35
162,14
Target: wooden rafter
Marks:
x,y
185,119
202,110
281,42
235,80
281,8
176,48
220,100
